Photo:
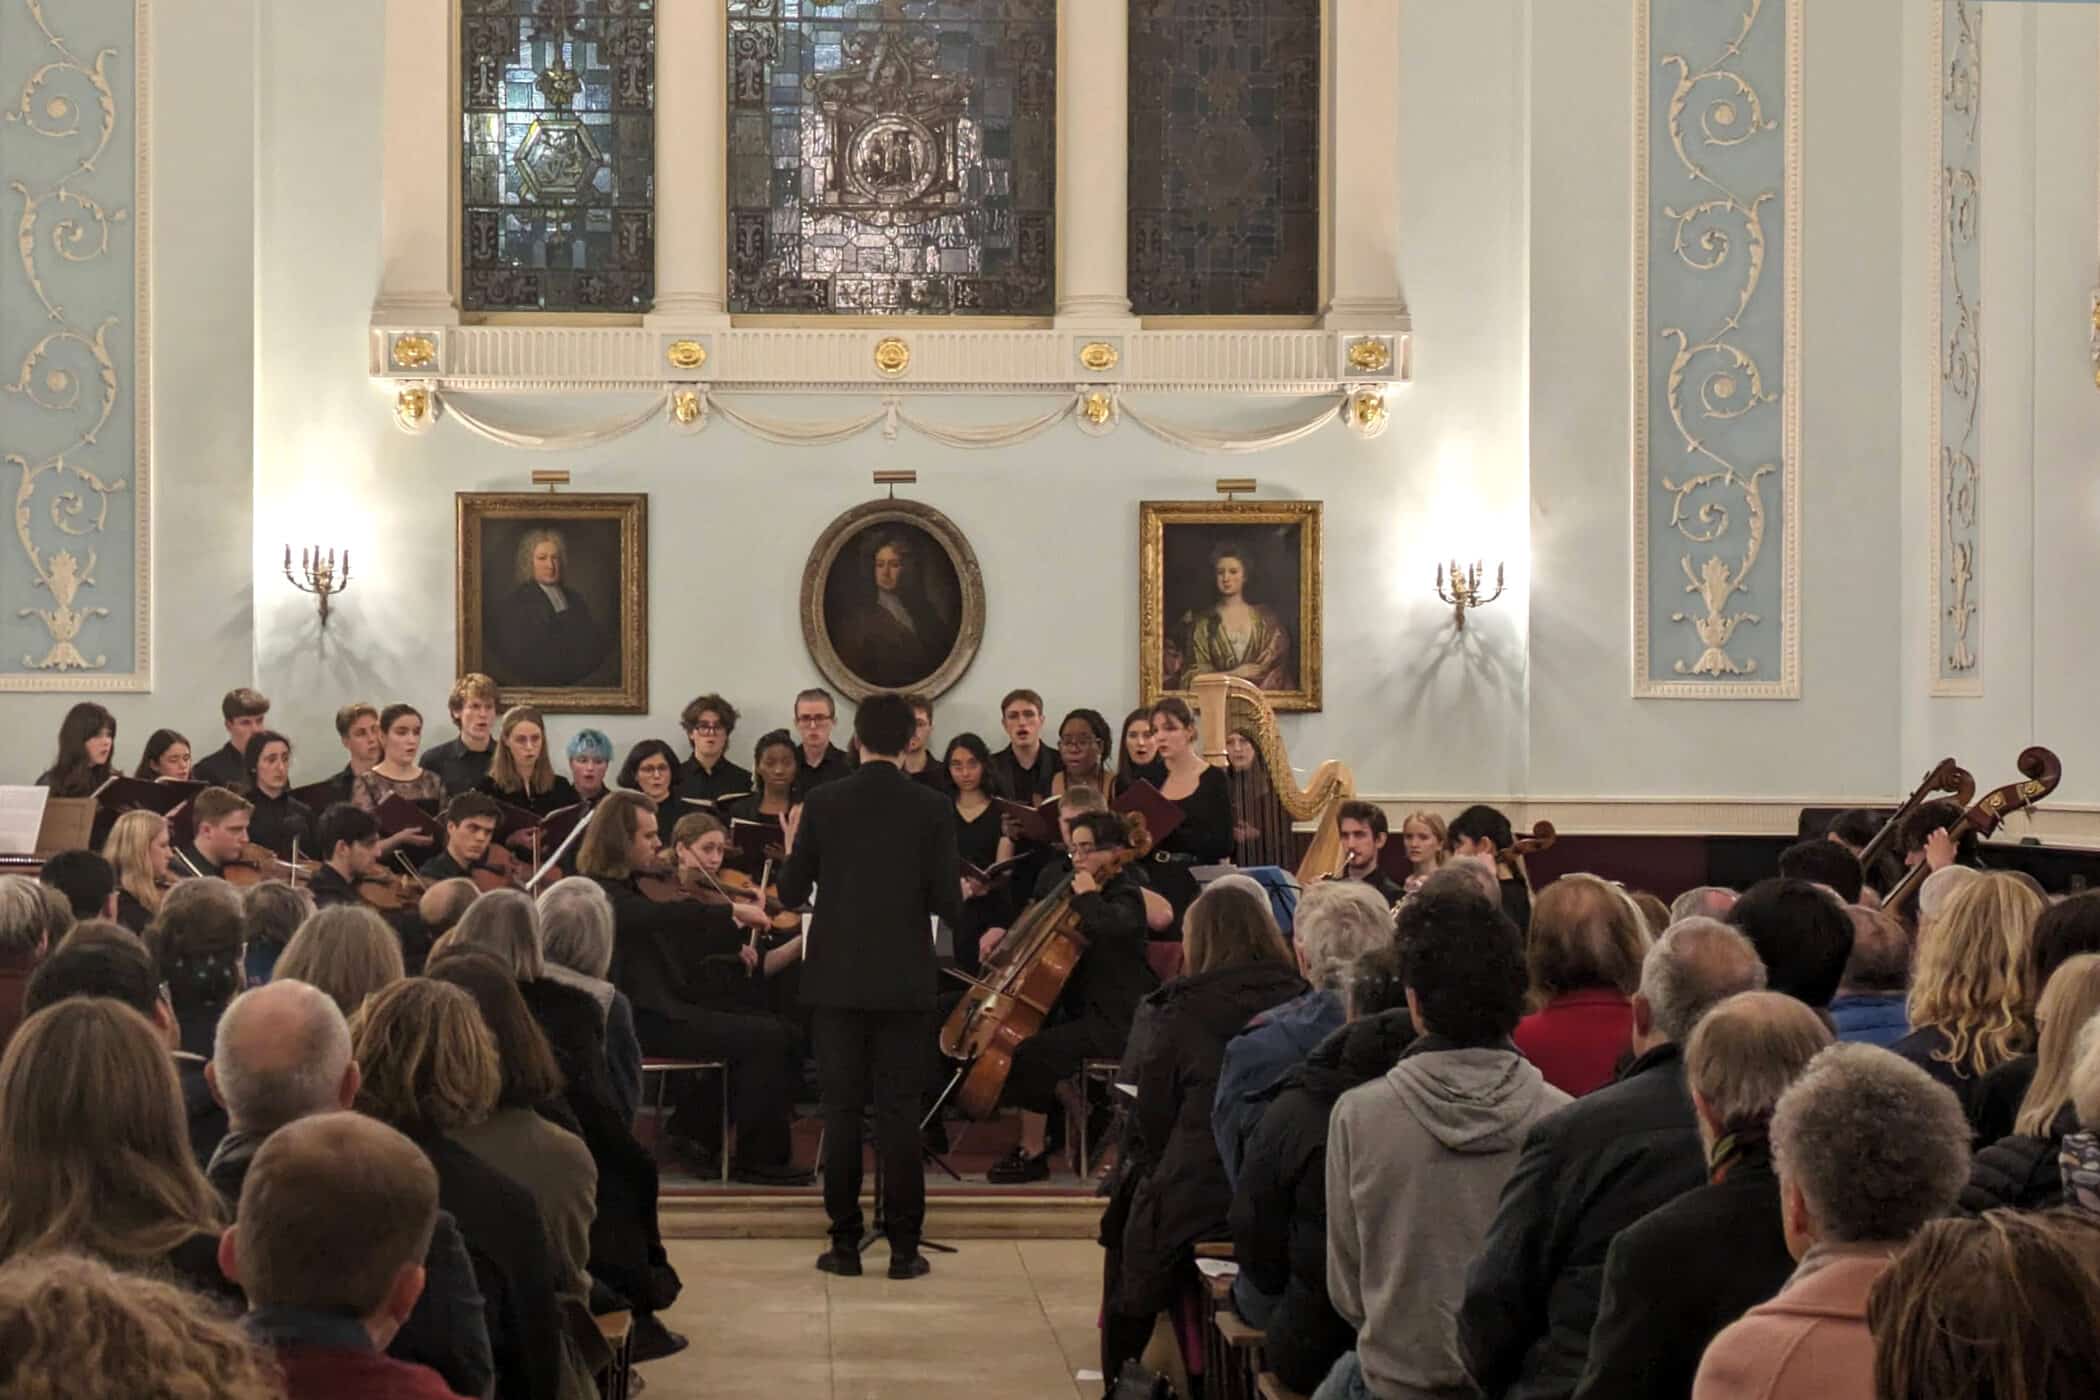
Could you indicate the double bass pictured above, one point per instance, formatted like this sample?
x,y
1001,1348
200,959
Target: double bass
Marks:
x,y
2041,771
1021,981
1947,776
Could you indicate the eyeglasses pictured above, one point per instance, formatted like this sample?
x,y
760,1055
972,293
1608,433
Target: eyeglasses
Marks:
x,y
1082,848
705,728
812,719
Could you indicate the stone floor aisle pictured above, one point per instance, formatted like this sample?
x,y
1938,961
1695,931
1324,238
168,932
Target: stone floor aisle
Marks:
x,y
1004,1319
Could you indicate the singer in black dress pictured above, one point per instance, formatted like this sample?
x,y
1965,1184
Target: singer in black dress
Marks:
x,y
979,841
1205,797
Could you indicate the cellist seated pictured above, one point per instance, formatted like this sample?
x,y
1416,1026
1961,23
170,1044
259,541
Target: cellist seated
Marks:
x,y
1100,998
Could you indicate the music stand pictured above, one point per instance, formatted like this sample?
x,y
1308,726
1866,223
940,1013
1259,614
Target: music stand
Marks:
x,y
875,1229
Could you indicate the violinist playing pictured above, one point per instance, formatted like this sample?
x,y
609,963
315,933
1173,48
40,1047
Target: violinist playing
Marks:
x,y
346,838
470,822
138,853
1363,830
700,846
1100,999
219,818
279,821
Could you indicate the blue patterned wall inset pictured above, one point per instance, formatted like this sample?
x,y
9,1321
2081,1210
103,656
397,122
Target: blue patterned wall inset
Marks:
x,y
75,567
1957,488
1717,349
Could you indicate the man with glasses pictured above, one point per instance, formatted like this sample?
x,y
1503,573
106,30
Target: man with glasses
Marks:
x,y
709,779
818,760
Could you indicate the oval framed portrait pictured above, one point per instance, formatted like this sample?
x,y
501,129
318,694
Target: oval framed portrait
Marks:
x,y
892,599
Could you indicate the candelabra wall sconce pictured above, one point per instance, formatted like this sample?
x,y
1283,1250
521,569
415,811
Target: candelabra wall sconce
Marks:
x,y
1465,589
318,575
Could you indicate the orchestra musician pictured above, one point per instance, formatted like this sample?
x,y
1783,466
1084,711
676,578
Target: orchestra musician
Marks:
x,y
1205,798
462,762
919,764
708,777
219,833
662,956
1099,1000
818,761
1261,829
87,736
244,711
881,849
397,774
1082,754
979,841
138,852
1924,837
278,821
590,754
700,844
649,769
166,758
1363,831
470,822
1483,833
521,774
357,725
774,761
1423,837
1137,759
346,838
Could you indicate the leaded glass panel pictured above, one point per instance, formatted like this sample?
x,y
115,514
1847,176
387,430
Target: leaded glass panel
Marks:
x,y
1224,157
560,152
892,156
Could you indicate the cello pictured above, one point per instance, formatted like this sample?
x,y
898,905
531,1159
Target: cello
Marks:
x,y
2041,771
1021,981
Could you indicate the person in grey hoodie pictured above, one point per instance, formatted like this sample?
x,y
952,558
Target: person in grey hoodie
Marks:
x,y
1416,1159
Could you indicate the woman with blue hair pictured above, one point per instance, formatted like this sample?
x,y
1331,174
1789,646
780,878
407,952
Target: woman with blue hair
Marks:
x,y
590,754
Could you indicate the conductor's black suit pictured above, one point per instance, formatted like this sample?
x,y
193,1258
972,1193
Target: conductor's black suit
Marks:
x,y
880,850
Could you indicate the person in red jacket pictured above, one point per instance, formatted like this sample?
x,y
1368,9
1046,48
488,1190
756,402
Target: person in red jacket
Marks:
x,y
335,1218
1585,949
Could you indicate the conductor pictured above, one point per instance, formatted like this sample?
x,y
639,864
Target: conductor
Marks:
x,y
880,851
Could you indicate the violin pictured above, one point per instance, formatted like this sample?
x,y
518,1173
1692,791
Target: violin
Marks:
x,y
1946,776
498,869
259,865
1541,839
389,893
2041,772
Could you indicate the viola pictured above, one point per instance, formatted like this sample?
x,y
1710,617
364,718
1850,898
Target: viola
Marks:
x,y
2041,772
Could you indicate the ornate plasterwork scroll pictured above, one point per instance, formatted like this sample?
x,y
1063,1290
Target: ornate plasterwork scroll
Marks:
x,y
1957,319
73,401
1717,349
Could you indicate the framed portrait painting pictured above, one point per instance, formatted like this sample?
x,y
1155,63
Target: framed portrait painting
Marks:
x,y
1232,587
892,599
551,598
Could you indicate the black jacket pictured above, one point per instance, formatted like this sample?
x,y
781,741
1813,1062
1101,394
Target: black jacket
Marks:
x,y
1113,975
1923,1048
222,767
1173,1192
447,1329
2019,1172
1586,1173
1279,1212
513,1263
1675,1279
879,849
1996,1101
671,959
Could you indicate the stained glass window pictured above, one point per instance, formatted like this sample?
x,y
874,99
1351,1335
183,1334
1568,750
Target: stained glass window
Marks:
x,y
559,97
1224,157
892,156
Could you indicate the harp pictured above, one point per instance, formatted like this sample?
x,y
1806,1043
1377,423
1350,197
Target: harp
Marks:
x,y
1225,701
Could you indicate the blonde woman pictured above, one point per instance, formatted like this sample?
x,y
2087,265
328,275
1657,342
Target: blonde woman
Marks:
x,y
95,1153
347,951
1970,1008
138,851
521,774
2020,1168
1424,837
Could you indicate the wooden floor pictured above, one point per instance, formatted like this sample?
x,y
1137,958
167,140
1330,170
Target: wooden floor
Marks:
x,y
1004,1319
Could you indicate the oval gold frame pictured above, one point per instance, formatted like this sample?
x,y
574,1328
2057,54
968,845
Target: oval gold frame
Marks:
x,y
817,572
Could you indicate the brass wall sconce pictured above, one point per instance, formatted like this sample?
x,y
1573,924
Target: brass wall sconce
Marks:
x,y
1465,590
318,575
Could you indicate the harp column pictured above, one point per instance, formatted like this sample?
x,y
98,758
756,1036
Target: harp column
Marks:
x,y
692,164
1093,165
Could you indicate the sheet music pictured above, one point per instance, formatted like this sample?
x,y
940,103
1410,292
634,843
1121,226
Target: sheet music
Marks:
x,y
21,818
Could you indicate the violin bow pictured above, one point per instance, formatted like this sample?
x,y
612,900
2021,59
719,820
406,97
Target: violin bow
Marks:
x,y
750,935
295,863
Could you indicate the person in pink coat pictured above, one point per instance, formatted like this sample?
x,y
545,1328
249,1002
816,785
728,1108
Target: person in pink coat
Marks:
x,y
1868,1148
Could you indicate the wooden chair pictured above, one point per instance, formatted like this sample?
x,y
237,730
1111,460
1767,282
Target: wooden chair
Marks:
x,y
1269,1387
617,1379
664,1069
1093,1075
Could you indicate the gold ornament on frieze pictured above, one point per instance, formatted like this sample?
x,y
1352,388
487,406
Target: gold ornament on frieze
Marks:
x,y
686,354
1369,355
1367,412
414,352
685,407
415,409
1098,356
892,356
1097,408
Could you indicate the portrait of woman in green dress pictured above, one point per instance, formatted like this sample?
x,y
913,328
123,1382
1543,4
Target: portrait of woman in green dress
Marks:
x,y
1237,637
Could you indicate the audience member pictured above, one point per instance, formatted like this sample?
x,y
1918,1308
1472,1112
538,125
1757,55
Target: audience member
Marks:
x,y
347,951
1939,887
445,903
335,1218
1592,1170
271,913
2020,1167
1279,1207
1474,876
1824,863
1871,998
102,959
1171,1191
1867,1149
58,915
1417,1158
549,1161
1337,922
93,1155
576,933
2079,1161
1970,1010
1702,902
23,943
1998,1308
428,1067
1682,1273
73,1328
1801,933
2065,929
86,880
1655,915
1584,954
196,941
282,1054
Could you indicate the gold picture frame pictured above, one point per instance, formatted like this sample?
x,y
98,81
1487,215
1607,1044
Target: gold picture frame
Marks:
x,y
1181,545
589,654
927,636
